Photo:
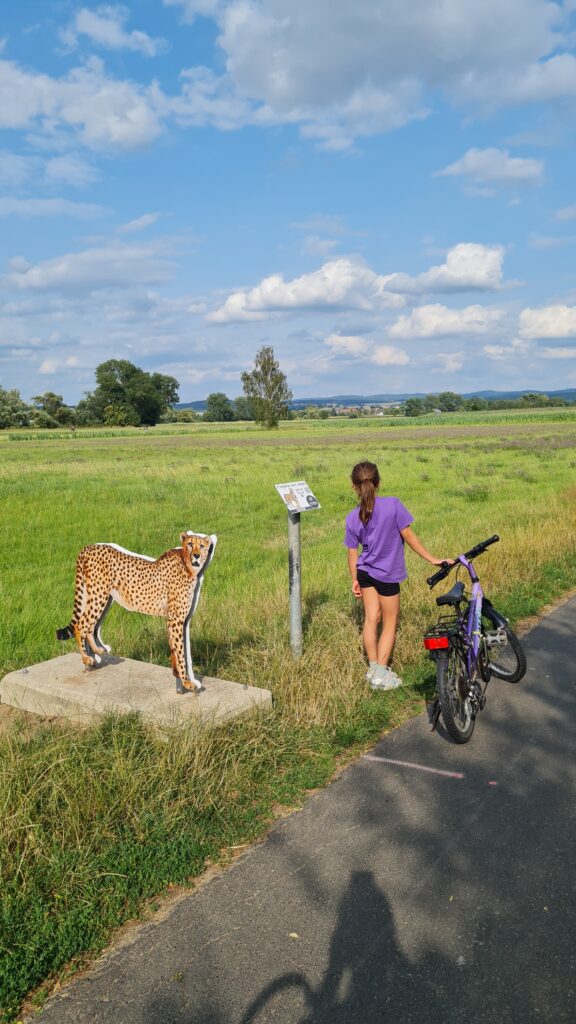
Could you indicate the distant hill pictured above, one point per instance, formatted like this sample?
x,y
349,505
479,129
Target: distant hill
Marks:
x,y
300,403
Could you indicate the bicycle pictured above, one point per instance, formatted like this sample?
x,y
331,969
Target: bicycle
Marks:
x,y
469,645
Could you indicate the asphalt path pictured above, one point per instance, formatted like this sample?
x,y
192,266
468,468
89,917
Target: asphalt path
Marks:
x,y
440,889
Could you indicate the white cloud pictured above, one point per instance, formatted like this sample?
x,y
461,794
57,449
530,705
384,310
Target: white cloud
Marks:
x,y
469,267
209,99
517,347
497,352
388,355
548,322
346,283
347,344
15,169
339,284
296,65
105,27
558,353
116,266
49,367
315,246
139,224
439,321
361,348
566,213
299,64
495,165
103,112
451,362
191,8
50,208
538,82
550,242
70,170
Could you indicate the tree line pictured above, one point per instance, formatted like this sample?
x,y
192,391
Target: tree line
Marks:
x,y
125,395
449,401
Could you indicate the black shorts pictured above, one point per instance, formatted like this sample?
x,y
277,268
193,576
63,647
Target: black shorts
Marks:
x,y
384,589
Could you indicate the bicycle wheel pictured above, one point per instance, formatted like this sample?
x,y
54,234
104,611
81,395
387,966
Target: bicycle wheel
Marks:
x,y
452,687
505,653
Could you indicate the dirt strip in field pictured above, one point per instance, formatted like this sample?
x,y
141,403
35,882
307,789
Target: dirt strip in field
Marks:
x,y
557,435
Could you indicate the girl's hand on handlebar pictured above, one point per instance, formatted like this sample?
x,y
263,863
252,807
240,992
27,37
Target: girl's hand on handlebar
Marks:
x,y
443,561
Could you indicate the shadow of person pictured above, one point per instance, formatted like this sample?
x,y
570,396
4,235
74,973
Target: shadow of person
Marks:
x,y
363,958
368,979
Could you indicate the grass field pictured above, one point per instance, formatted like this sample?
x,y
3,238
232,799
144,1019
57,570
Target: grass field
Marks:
x,y
95,821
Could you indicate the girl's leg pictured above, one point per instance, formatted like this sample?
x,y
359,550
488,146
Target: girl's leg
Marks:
x,y
390,610
372,615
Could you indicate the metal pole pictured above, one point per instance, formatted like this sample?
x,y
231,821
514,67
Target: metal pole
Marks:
x,y
295,583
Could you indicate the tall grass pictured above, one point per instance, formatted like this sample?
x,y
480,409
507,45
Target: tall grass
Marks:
x,y
94,821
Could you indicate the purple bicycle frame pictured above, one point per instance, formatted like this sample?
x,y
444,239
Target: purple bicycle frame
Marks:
x,y
474,615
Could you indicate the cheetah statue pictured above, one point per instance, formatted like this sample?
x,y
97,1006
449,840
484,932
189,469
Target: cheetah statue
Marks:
x,y
168,586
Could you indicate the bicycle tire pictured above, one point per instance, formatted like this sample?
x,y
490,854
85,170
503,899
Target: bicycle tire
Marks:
x,y
506,661
451,677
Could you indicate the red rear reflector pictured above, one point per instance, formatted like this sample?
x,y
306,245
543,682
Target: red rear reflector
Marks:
x,y
434,643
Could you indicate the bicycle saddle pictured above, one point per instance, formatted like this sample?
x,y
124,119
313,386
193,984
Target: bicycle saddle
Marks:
x,y
453,596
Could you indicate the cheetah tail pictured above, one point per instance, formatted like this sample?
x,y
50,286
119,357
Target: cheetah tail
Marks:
x,y
66,633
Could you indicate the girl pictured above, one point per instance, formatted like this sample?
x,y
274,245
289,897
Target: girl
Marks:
x,y
381,526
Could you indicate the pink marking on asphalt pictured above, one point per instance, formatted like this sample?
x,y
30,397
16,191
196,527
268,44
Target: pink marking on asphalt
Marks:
x,y
409,764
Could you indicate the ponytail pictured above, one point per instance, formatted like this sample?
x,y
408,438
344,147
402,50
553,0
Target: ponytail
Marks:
x,y
366,478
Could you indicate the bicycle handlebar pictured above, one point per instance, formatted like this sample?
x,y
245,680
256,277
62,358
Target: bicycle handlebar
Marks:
x,y
479,549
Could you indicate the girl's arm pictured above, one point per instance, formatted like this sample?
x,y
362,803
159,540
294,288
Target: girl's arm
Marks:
x,y
352,567
412,540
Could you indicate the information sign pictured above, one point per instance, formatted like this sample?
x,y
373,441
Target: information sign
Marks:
x,y
297,496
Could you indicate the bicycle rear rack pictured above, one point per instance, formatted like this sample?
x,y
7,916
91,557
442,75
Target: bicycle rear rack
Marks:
x,y
438,636
445,626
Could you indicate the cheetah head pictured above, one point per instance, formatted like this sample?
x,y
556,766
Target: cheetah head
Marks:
x,y
198,548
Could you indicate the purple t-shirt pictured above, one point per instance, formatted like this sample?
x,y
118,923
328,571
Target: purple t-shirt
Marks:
x,y
382,546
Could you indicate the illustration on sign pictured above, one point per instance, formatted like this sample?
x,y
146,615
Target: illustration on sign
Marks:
x,y
297,496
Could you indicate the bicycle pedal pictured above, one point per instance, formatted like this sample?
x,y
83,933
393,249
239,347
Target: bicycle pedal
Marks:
x,y
496,639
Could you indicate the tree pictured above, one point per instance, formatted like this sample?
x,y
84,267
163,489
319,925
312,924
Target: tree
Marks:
x,y
89,411
414,407
475,404
218,408
121,386
267,387
186,416
448,401
13,410
244,408
53,410
118,415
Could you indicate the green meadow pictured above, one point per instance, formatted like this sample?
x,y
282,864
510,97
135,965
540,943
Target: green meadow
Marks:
x,y
95,823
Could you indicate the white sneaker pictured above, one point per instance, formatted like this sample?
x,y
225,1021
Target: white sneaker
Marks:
x,y
385,680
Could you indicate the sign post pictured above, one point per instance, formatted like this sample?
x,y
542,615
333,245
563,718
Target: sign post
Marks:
x,y
295,583
298,498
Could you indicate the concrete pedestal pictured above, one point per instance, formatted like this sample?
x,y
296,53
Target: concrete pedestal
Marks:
x,y
60,688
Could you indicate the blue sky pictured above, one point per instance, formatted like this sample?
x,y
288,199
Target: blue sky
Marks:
x,y
385,192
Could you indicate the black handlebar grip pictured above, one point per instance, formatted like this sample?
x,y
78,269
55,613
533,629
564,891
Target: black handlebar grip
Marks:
x,y
440,575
